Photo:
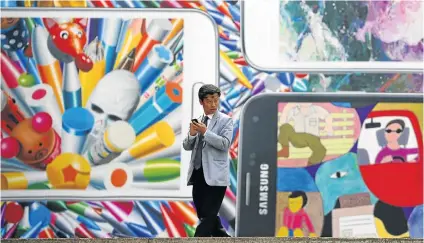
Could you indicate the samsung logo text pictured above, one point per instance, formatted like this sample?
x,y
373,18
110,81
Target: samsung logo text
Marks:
x,y
263,189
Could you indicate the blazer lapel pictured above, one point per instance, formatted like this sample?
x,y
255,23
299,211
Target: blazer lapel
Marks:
x,y
214,120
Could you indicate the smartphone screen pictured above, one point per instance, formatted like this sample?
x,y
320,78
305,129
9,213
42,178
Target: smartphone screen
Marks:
x,y
340,165
349,31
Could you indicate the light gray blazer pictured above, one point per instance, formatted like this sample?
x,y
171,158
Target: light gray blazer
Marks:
x,y
217,141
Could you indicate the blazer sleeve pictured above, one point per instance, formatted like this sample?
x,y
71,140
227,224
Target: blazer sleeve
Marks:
x,y
221,141
188,142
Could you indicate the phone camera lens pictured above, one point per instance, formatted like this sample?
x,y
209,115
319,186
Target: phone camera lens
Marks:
x,y
252,162
255,119
252,156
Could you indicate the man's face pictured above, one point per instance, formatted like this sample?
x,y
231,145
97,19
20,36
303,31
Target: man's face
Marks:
x,y
210,104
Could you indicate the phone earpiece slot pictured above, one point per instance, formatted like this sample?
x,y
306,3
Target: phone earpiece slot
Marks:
x,y
247,189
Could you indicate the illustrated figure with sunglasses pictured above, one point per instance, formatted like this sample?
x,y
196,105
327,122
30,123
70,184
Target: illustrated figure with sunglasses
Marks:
x,y
392,152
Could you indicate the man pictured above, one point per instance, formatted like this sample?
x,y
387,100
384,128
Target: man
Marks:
x,y
209,139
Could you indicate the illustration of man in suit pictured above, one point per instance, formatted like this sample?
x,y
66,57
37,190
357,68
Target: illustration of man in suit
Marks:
x,y
209,139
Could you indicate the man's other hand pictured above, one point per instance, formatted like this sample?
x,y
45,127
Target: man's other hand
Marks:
x,y
200,127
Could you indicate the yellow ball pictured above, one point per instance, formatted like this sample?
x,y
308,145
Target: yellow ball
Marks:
x,y
69,171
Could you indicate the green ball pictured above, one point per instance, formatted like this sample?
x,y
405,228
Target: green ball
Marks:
x,y
26,80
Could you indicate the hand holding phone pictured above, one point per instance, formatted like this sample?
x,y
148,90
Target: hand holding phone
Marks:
x,y
198,126
193,130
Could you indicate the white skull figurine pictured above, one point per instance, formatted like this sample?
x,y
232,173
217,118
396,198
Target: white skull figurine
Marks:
x,y
115,98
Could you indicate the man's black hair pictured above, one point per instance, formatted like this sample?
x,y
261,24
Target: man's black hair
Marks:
x,y
208,89
302,194
397,121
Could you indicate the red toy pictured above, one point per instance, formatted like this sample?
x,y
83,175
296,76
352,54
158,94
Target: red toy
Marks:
x,y
67,41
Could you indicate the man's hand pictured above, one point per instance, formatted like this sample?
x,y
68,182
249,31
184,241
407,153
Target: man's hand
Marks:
x,y
193,131
200,127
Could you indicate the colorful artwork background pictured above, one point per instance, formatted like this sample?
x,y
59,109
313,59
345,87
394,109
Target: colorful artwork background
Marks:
x,y
86,219
92,135
351,31
331,180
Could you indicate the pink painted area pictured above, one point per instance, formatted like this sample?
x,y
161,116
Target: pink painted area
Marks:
x,y
9,71
295,163
126,207
301,163
230,194
120,210
53,218
296,220
281,106
394,20
292,163
39,94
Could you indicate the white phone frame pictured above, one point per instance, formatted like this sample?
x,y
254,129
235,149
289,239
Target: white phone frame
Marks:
x,y
260,46
201,66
